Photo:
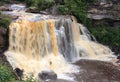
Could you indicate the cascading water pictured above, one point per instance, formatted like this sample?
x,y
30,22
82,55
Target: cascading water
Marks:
x,y
43,42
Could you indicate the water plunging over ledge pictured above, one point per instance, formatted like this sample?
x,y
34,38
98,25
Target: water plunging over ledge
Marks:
x,y
44,42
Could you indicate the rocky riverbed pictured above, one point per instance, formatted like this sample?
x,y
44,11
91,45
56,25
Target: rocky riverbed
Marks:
x,y
95,71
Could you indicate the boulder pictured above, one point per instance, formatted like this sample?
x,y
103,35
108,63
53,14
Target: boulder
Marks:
x,y
19,73
105,9
44,12
3,8
118,57
32,10
46,75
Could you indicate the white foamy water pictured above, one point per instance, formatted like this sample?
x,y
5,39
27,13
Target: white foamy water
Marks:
x,y
18,7
32,66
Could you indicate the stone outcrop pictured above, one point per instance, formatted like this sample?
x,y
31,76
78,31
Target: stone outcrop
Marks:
x,y
106,10
4,8
3,38
32,10
47,75
19,73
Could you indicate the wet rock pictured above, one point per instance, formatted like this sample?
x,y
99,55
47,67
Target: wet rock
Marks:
x,y
32,10
118,60
19,73
46,75
105,9
102,2
99,17
44,12
4,8
3,33
118,57
105,12
1,41
116,50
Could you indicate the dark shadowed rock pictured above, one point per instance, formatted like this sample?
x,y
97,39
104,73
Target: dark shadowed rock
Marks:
x,y
3,38
3,31
45,75
118,57
19,73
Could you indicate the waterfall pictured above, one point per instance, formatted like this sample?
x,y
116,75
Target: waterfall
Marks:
x,y
43,42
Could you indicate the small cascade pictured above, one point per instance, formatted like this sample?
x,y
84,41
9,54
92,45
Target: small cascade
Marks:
x,y
53,37
43,42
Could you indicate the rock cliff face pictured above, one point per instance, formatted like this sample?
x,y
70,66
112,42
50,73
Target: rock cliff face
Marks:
x,y
105,12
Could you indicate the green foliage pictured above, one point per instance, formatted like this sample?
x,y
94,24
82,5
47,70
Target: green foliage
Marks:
x,y
4,21
6,74
40,4
62,9
77,8
107,35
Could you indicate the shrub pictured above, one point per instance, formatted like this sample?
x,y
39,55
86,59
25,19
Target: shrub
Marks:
x,y
62,9
4,21
40,4
6,74
107,35
77,8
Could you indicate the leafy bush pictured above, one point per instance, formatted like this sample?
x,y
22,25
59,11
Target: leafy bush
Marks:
x,y
6,74
62,9
40,4
4,21
107,35
77,8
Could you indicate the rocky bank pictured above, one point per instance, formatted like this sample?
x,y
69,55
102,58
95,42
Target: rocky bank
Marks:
x,y
106,12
